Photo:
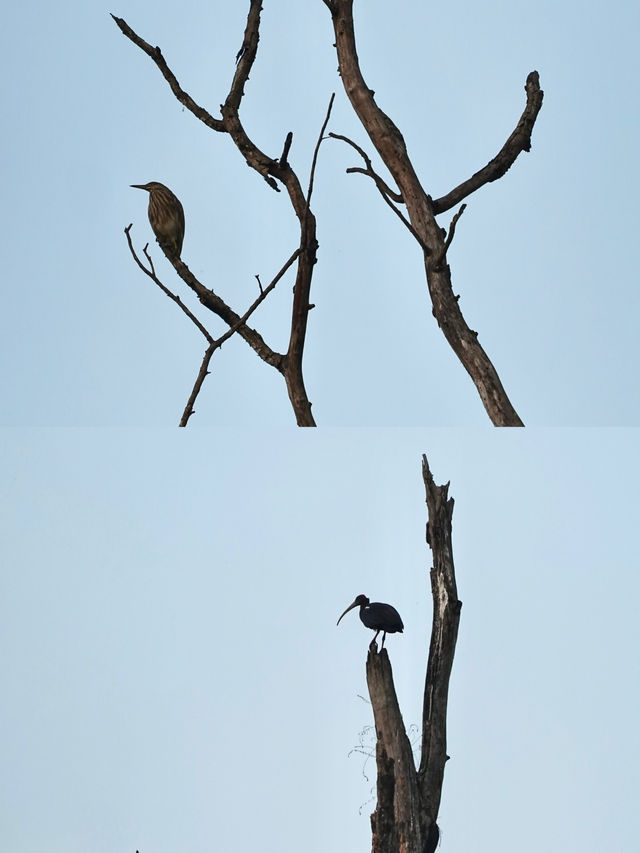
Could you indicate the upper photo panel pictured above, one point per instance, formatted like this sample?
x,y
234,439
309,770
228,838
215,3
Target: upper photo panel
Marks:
x,y
331,213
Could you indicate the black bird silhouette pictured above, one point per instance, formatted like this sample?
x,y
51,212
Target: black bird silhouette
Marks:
x,y
378,617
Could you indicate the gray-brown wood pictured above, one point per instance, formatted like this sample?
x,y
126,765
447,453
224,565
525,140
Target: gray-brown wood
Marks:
x,y
275,172
398,823
405,819
390,145
444,633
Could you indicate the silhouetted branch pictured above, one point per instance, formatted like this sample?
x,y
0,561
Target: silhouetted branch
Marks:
x,y
450,236
156,55
272,170
314,159
390,145
215,304
408,801
397,822
385,191
152,275
444,633
383,187
214,345
520,140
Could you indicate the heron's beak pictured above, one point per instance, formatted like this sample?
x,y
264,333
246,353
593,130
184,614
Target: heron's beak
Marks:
x,y
350,607
138,186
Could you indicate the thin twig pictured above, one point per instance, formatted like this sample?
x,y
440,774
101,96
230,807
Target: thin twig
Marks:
x,y
285,150
152,275
272,170
385,191
314,160
202,374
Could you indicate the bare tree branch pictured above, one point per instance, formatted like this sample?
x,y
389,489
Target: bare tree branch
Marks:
x,y
398,821
156,55
214,345
152,275
520,140
301,294
214,303
273,171
202,375
385,189
408,801
390,145
444,633
450,235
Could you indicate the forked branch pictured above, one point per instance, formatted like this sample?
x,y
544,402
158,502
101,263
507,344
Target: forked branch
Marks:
x,y
408,800
444,634
421,209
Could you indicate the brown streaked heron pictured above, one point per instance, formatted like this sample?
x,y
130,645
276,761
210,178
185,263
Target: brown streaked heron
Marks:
x,y
377,616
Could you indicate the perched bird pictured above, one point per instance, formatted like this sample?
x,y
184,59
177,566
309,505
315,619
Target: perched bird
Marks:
x,y
166,217
377,616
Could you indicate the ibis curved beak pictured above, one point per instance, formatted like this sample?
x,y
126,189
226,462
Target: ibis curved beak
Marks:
x,y
350,607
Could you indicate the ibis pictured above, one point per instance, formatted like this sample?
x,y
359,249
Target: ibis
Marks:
x,y
377,616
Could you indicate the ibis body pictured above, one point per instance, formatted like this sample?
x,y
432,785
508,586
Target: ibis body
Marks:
x,y
377,616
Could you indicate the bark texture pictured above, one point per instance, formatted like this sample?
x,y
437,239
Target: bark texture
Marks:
x,y
421,209
277,172
405,819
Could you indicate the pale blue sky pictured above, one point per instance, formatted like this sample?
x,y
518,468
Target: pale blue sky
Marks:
x,y
174,679
544,260
172,675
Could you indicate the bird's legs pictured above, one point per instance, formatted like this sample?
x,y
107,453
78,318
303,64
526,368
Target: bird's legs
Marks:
x,y
373,642
384,636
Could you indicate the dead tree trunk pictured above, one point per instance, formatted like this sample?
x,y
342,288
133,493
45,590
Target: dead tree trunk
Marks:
x,y
405,819
422,210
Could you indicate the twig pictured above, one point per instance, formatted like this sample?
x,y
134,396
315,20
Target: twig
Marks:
x,y
289,365
383,187
156,55
314,159
390,145
385,191
520,140
452,230
285,150
202,374
214,345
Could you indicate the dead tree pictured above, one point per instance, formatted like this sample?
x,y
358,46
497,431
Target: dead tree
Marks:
x,y
422,210
276,171
408,799
420,218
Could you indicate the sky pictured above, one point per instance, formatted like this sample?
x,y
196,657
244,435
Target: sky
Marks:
x,y
544,260
174,679
172,674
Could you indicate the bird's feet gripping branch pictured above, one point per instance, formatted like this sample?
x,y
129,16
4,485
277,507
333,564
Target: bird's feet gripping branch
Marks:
x,y
378,617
